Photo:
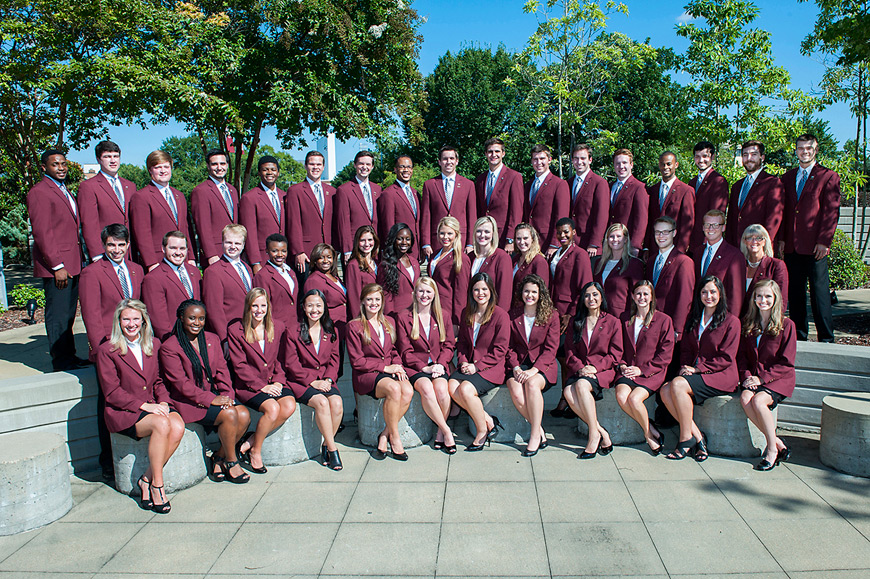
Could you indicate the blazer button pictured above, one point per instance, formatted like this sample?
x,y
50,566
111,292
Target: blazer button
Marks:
x,y
317,367
265,365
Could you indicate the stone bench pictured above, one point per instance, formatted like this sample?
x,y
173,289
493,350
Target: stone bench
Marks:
x,y
415,427
729,432
845,439
34,481
186,466
297,440
622,428
514,428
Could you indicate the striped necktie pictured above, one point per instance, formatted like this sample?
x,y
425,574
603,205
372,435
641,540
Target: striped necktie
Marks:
x,y
122,276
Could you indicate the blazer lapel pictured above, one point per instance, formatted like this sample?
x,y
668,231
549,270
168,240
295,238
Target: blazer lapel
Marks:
x,y
64,199
233,272
130,360
110,273
110,192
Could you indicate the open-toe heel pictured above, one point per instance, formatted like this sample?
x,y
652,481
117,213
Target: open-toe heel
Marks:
x,y
683,450
160,508
334,459
241,479
701,453
144,503
216,469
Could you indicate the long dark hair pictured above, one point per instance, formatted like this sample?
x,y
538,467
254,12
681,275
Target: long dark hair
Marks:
x,y
472,306
583,311
391,257
698,307
199,376
325,320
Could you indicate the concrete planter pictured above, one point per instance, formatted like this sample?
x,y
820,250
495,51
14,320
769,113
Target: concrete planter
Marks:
x,y
514,428
186,466
622,427
297,440
729,432
415,427
845,438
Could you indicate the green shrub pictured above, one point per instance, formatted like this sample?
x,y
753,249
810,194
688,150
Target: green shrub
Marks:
x,y
21,293
13,236
847,270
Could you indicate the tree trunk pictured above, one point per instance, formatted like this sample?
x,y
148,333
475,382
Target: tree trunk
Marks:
x,y
252,151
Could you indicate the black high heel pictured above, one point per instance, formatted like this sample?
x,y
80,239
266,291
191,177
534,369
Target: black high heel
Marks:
x,y
379,454
324,458
241,479
660,439
783,455
145,504
605,450
334,460
162,508
683,450
216,471
701,453
496,426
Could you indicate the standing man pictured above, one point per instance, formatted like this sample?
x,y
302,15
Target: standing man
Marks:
x,y
399,203
104,199
718,257
214,204
673,275
673,198
546,199
711,189
261,211
449,194
57,256
629,201
227,283
157,209
757,198
590,201
499,193
356,204
309,214
170,283
812,209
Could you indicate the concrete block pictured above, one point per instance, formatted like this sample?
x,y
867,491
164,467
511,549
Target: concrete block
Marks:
x,y
297,440
415,427
514,428
34,481
186,466
729,432
622,428
845,437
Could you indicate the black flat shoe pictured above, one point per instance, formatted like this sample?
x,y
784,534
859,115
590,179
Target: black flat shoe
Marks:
x,y
161,508
783,455
765,465
145,504
334,460
241,479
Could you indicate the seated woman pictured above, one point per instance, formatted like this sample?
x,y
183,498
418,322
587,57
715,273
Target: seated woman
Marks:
x,y
426,346
324,277
280,282
450,269
765,360
532,356
760,263
616,270
484,337
258,378
647,350
570,270
399,270
137,402
527,257
490,259
377,368
708,352
593,345
198,380
311,363
362,267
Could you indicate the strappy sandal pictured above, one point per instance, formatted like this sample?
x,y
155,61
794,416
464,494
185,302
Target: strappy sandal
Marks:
x,y
683,450
216,471
144,504
164,507
241,479
701,453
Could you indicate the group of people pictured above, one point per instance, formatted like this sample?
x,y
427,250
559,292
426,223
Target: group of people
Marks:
x,y
671,290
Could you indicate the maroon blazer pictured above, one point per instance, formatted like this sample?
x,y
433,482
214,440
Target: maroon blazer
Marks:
x,y
433,208
394,304
552,202
505,204
284,301
680,205
99,293
540,349
151,218
573,271
603,351
675,289
590,210
210,215
652,352
538,266
258,216
771,359
617,288
498,266
336,298
631,209
191,401
126,386
452,286
715,355
368,360
55,230
304,233
354,280
763,204
99,206
729,266
713,194
223,292
489,353
393,207
813,219
163,292
351,213
416,353
304,363
769,268
253,368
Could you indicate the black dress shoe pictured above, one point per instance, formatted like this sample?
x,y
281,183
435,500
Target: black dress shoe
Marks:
x,y
79,363
783,455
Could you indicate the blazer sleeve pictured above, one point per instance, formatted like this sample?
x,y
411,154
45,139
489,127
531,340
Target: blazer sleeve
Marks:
x,y
425,217
743,364
614,353
296,372
222,380
460,290
42,223
355,351
512,359
688,348
341,215
581,275
547,357
213,296
174,373
639,217
572,361
160,390
599,214
515,203
664,349
735,284
782,364
463,342
247,376
725,350
447,346
110,383
470,212
829,210
91,299
503,279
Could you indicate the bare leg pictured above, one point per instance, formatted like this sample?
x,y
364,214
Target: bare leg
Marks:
x,y
581,401
323,417
533,393
433,407
465,394
275,413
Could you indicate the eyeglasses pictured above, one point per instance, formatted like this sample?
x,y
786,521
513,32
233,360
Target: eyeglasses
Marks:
x,y
713,225
755,239
663,232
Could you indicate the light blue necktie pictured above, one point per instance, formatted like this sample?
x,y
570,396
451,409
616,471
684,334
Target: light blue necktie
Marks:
x,y
170,199
490,186
534,193
803,181
125,287
663,194
367,194
657,269
116,185
578,182
616,189
708,257
410,195
448,191
244,275
698,183
744,191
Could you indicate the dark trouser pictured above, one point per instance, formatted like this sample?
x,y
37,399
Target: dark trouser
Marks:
x,y
60,313
801,269
103,431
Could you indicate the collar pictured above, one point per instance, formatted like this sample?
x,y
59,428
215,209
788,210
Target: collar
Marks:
x,y
540,179
109,177
703,174
670,183
267,190
622,181
755,174
363,182
583,175
162,189
497,171
279,268
59,184
665,253
312,183
231,260
715,246
175,268
451,177
216,182
808,169
114,264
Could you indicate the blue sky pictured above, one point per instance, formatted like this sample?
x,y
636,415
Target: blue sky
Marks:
x,y
454,25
